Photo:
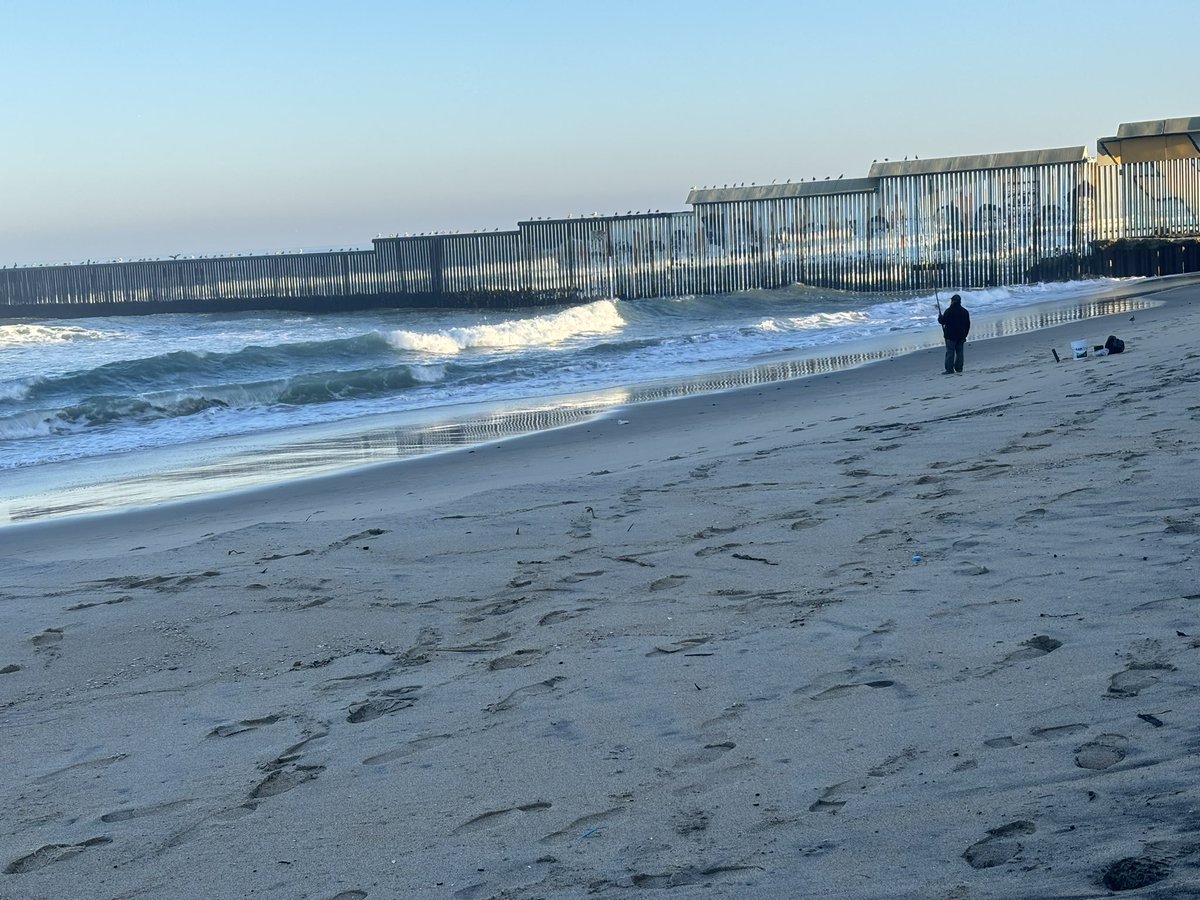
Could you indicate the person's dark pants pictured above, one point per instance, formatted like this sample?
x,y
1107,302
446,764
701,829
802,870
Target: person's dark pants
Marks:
x,y
954,355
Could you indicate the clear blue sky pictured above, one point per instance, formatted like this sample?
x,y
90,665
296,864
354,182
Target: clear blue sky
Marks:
x,y
140,129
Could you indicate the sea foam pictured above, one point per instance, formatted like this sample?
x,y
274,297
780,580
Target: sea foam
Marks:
x,y
598,318
28,333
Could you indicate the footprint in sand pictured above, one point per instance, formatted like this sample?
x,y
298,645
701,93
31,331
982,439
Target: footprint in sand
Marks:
x,y
690,822
875,639
577,577
1052,732
283,780
690,875
806,520
712,550
561,615
999,846
727,716
515,659
589,823
970,569
876,535
939,494
667,582
500,607
1000,743
408,749
713,531
680,645
1135,872
86,764
840,690
232,728
706,754
484,820
358,538
1034,515
1106,750
519,695
838,795
52,853
1034,647
389,701
48,639
1136,679
125,815
79,607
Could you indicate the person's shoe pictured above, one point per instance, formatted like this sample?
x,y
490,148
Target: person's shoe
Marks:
x,y
958,371
947,372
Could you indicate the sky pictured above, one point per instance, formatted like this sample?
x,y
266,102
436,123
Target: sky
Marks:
x,y
133,129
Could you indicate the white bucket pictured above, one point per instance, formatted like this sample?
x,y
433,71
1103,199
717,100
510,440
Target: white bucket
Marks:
x,y
1079,349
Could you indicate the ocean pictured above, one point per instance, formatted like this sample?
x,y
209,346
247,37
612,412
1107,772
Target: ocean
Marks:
x,y
101,414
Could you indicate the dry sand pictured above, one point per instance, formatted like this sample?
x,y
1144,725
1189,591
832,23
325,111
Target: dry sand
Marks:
x,y
683,648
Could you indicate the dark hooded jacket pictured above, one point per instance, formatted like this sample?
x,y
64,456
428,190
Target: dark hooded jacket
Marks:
x,y
955,321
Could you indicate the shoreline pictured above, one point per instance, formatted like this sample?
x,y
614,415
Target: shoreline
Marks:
x,y
871,634
124,482
667,421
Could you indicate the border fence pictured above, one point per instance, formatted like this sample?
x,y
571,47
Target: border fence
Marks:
x,y
956,222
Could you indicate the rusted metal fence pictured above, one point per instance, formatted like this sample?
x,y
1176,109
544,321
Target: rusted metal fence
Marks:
x,y
961,222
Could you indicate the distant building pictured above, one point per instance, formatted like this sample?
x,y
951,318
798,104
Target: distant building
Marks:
x,y
957,222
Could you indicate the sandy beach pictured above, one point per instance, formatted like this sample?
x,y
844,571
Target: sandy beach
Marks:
x,y
875,633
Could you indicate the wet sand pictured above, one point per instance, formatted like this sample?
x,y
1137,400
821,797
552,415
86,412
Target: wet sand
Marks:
x,y
874,633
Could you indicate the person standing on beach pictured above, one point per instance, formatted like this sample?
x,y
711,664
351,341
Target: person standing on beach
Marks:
x,y
956,325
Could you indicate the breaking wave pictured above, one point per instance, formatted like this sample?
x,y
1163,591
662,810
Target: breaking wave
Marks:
x,y
599,318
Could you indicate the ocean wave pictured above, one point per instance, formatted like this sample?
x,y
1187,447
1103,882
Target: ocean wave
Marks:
x,y
30,333
102,410
428,374
17,389
326,387
185,367
109,410
598,318
25,424
826,320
